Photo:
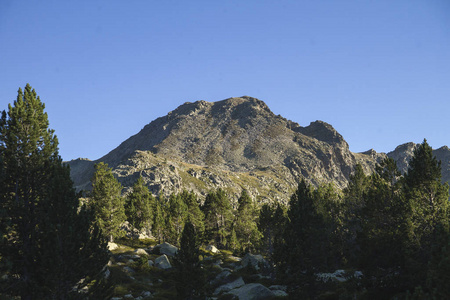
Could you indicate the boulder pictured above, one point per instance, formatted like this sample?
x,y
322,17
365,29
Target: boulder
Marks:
x,y
167,249
278,287
221,277
252,291
212,249
150,263
280,293
112,246
337,276
229,286
141,252
163,262
146,294
255,261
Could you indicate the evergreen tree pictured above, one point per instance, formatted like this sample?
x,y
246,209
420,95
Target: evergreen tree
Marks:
x,y
158,220
271,222
138,206
353,205
329,207
190,276
194,213
176,218
106,201
301,253
382,239
218,216
245,224
429,212
48,250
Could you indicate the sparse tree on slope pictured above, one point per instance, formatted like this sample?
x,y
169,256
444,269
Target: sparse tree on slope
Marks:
x,y
190,276
106,201
139,206
429,212
245,225
47,246
218,216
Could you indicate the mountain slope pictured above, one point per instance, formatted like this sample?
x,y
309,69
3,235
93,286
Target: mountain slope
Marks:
x,y
234,143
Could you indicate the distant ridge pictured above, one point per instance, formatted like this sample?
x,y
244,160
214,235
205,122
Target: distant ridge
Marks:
x,y
235,143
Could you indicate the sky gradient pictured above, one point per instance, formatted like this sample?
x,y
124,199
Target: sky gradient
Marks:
x,y
377,71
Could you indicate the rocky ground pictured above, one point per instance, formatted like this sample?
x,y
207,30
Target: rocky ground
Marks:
x,y
142,270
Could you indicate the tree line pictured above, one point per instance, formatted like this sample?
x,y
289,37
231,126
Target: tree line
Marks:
x,y
393,228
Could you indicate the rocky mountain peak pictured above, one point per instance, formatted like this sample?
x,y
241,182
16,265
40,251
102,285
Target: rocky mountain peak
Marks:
x,y
235,143
322,131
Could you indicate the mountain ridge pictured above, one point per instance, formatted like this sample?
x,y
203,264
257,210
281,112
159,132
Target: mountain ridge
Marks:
x,y
237,136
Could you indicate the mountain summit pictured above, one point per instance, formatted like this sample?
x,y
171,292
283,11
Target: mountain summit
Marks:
x,y
234,144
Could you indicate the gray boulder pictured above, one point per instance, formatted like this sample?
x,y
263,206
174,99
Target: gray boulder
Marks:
x,y
221,277
229,286
252,291
167,249
163,262
279,293
255,261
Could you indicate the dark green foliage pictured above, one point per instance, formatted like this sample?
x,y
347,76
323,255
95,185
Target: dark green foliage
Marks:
x,y
329,206
384,231
245,225
301,252
48,242
158,219
353,205
176,217
271,221
429,212
218,217
106,201
139,206
190,277
194,213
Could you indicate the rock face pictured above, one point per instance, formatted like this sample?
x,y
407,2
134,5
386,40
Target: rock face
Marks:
x,y
234,143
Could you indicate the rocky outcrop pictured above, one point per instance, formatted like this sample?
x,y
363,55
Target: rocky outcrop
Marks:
x,y
234,143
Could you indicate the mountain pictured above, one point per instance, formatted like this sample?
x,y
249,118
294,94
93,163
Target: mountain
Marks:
x,y
234,144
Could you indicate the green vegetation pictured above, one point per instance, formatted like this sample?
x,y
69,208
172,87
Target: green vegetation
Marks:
x,y
50,247
385,236
139,206
107,202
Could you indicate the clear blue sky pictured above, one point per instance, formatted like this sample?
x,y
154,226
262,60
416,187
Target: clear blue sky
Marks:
x,y
378,71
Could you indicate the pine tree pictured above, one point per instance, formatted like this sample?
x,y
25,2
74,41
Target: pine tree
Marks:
x,y
190,276
429,212
271,222
176,217
158,219
301,252
47,246
353,205
194,213
383,234
138,206
106,201
245,224
218,216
